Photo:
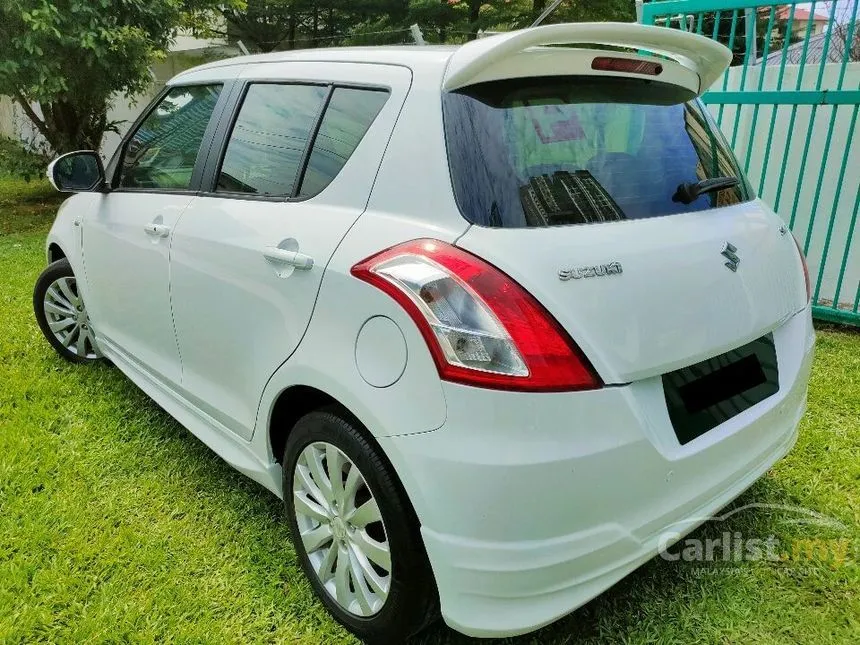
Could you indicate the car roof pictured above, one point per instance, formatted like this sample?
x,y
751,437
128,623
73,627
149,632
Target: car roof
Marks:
x,y
406,55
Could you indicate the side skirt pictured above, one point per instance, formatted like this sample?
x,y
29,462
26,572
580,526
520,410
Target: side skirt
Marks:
x,y
227,445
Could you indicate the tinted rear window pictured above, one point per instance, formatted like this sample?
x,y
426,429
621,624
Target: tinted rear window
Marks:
x,y
576,150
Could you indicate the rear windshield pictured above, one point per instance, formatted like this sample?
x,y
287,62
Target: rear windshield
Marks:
x,y
576,150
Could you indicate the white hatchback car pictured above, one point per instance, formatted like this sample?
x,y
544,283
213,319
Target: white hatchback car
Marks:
x,y
488,318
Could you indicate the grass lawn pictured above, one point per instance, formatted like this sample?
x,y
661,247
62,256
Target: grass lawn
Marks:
x,y
117,525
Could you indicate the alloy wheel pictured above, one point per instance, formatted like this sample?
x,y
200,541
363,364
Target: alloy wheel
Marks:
x,y
67,318
341,529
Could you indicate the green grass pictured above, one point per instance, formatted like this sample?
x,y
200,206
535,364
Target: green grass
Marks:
x,y
117,525
27,206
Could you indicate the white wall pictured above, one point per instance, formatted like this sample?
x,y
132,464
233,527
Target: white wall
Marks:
x,y
787,147
15,124
186,51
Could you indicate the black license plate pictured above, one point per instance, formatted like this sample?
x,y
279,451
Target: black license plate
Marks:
x,y
704,395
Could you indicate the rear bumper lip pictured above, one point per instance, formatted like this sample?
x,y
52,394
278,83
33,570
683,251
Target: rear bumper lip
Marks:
x,y
505,613
533,504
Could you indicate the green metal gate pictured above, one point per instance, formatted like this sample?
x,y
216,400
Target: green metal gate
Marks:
x,y
789,107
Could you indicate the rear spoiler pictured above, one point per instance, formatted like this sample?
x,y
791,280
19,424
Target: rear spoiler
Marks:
x,y
474,61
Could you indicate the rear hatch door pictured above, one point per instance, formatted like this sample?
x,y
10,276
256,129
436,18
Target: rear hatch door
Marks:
x,y
574,187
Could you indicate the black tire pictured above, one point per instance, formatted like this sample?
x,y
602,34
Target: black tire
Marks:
x,y
412,601
53,272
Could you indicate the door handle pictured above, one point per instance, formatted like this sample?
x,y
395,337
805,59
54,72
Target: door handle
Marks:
x,y
157,230
293,258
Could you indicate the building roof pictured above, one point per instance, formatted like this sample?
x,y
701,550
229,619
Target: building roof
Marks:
x,y
814,51
800,15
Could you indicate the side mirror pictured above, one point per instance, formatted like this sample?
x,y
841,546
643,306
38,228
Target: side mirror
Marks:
x,y
77,172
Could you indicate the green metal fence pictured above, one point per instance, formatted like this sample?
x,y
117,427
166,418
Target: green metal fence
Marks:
x,y
789,107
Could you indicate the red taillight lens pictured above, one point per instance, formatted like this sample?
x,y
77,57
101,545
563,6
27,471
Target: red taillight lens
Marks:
x,y
805,269
626,65
482,328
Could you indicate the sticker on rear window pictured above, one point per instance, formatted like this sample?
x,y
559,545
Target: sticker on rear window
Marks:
x,y
553,125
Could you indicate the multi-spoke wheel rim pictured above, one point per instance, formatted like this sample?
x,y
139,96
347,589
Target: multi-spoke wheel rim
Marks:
x,y
341,529
67,318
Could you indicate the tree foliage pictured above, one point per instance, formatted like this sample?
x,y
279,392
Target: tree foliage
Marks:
x,y
267,25
71,57
18,161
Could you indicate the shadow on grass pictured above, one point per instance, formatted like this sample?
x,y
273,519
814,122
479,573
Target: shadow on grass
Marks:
x,y
179,450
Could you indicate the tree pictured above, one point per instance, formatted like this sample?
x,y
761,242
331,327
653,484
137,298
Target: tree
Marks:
x,y
72,57
593,10
845,40
263,24
269,25
578,11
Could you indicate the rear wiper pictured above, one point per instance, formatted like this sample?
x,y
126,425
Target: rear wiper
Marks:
x,y
687,193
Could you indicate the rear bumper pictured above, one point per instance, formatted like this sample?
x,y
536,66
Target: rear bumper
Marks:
x,y
532,504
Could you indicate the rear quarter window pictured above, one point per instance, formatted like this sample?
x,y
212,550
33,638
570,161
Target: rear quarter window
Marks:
x,y
292,140
578,150
350,113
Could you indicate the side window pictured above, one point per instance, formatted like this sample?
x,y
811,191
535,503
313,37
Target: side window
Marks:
x,y
348,116
163,150
269,138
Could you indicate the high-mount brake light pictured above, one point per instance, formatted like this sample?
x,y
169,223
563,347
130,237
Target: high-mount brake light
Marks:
x,y
481,327
626,65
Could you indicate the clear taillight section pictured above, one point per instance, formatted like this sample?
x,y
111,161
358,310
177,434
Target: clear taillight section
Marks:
x,y
467,332
481,327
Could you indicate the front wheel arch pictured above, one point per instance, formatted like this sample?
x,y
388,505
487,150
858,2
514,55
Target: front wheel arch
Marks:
x,y
55,253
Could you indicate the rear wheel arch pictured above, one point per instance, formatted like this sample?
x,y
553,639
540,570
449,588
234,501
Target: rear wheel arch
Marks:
x,y
291,405
410,602
295,402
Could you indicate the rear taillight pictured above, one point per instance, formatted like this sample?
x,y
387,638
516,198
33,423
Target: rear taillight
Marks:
x,y
805,270
626,65
482,328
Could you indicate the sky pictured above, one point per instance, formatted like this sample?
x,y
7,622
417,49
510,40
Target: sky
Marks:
x,y
843,8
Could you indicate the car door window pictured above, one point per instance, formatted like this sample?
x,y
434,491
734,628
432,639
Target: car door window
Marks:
x,y
349,115
269,138
162,153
